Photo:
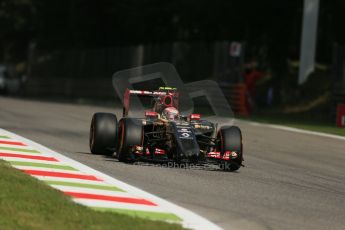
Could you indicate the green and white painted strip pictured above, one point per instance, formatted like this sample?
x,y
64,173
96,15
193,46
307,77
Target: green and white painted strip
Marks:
x,y
72,180
19,150
42,165
89,187
142,214
54,168
84,185
118,205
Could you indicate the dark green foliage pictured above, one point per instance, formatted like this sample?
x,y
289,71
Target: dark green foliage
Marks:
x,y
270,25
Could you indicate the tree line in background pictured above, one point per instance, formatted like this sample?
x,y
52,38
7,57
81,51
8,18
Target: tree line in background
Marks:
x,y
270,25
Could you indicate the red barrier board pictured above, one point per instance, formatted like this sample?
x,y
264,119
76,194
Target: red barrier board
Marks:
x,y
341,115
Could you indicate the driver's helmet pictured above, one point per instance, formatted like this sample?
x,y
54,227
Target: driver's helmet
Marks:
x,y
170,113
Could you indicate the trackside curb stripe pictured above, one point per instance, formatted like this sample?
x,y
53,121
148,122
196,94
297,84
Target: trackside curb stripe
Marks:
x,y
4,137
110,198
42,165
12,143
82,185
27,156
61,174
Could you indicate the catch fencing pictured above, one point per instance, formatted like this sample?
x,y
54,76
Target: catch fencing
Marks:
x,y
193,61
87,73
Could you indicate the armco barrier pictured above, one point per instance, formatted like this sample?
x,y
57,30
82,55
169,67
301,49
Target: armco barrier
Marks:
x,y
73,88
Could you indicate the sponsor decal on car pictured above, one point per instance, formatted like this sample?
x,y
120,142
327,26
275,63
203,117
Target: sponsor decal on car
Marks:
x,y
159,151
184,130
185,134
214,155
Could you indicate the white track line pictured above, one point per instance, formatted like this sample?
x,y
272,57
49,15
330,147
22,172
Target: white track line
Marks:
x,y
189,219
296,130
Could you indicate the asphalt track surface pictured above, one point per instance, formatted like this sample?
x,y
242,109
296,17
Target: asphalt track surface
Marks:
x,y
291,180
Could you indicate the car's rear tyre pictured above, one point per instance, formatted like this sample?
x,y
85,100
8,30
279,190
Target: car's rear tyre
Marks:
x,y
103,133
130,135
230,139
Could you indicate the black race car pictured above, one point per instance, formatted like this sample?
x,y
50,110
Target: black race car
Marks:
x,y
164,135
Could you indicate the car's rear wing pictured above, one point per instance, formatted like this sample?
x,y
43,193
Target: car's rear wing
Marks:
x,y
163,92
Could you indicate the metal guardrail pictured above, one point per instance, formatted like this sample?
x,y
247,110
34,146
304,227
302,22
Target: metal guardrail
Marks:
x,y
69,88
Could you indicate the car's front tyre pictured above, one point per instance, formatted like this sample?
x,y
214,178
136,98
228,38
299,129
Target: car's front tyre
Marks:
x,y
103,133
230,139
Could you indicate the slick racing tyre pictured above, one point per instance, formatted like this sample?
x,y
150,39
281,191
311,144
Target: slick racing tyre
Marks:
x,y
130,135
230,139
103,133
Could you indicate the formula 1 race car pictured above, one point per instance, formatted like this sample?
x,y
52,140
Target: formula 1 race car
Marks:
x,y
165,135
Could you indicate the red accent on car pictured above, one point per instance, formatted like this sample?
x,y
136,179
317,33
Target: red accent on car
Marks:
x,y
138,150
159,151
195,116
226,155
126,102
129,200
165,97
167,101
151,114
214,155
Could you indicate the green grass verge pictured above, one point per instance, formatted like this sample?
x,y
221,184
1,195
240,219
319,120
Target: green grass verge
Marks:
x,y
301,123
27,203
